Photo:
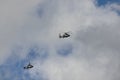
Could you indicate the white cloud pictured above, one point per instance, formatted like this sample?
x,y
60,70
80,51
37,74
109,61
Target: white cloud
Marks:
x,y
14,15
94,39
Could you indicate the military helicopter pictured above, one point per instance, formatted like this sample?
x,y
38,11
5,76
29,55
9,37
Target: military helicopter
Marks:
x,y
28,66
65,35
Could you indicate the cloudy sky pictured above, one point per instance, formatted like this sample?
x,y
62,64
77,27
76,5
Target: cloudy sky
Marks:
x,y
29,32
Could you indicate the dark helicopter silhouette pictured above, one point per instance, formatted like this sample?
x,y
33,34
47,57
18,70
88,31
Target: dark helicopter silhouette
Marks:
x,y
28,66
65,35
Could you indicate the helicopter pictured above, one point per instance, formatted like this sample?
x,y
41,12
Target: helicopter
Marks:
x,y
65,35
28,66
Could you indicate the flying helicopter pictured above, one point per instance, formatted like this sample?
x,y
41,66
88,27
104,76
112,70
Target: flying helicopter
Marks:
x,y
28,66
65,35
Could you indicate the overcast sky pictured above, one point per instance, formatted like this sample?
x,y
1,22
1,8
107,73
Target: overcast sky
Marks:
x,y
29,32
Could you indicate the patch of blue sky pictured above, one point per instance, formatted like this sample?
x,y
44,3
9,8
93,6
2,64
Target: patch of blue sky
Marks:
x,y
65,50
38,52
104,2
46,10
117,11
41,10
13,69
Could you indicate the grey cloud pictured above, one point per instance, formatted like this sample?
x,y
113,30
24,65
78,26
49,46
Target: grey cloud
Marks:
x,y
101,37
94,44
